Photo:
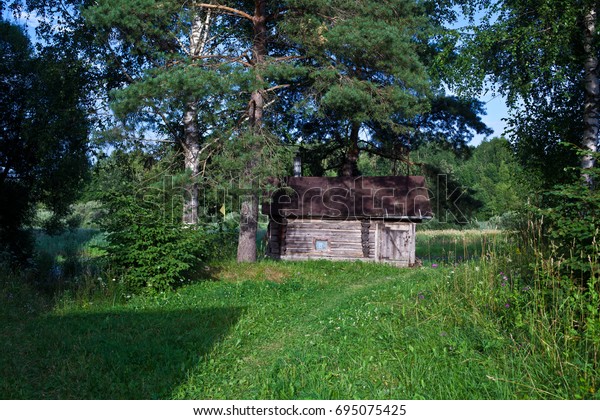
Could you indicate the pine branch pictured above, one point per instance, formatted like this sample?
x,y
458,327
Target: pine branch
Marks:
x,y
276,15
289,57
131,79
277,87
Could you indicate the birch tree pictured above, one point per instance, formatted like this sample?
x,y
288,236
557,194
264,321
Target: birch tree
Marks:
x,y
199,33
591,103
543,55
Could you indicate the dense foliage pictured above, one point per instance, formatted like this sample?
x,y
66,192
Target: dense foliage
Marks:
x,y
43,134
146,251
543,56
572,227
540,55
147,246
499,181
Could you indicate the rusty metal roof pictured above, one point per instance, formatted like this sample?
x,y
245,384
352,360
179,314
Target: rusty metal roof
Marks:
x,y
380,197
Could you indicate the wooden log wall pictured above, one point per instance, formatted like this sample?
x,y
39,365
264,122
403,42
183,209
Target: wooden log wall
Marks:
x,y
365,226
274,240
387,242
296,239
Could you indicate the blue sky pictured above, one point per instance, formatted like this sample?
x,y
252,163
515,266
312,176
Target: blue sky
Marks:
x,y
495,104
496,111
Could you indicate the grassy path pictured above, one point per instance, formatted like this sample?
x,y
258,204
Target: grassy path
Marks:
x,y
345,331
317,330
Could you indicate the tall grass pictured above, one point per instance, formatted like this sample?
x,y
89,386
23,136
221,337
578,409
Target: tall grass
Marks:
x,y
455,246
565,307
69,267
505,323
551,317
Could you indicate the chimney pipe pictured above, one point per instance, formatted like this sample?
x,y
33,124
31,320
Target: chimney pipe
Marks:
x,y
297,166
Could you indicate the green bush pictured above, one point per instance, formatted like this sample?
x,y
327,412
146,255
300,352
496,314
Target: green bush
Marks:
x,y
148,250
510,220
572,220
140,211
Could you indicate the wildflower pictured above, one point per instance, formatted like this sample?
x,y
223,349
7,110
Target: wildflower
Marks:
x,y
421,296
477,269
503,284
434,265
504,278
507,305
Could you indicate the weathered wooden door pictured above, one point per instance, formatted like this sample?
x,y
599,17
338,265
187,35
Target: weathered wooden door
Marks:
x,y
396,243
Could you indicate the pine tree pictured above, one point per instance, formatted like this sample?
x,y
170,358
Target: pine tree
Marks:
x,y
277,71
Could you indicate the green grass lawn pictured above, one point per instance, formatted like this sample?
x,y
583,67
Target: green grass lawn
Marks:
x,y
274,330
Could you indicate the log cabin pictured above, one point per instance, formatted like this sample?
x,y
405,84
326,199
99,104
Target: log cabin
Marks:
x,y
347,218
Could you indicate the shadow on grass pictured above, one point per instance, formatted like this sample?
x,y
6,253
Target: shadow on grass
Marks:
x,y
108,355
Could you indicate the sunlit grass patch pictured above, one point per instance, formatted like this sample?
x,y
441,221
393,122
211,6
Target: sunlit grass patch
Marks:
x,y
231,271
459,233
455,246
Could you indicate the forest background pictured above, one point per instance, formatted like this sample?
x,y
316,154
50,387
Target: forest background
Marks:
x,y
154,128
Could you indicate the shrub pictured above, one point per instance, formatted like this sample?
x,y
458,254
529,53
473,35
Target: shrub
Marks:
x,y
572,221
148,250
511,220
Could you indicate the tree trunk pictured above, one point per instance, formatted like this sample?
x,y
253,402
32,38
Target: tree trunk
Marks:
x,y
248,227
592,92
191,148
350,167
191,141
249,205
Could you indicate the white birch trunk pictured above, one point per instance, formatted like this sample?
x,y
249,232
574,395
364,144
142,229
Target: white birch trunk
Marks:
x,y
191,141
591,119
191,148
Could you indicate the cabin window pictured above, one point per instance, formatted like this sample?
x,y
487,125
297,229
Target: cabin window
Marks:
x,y
321,245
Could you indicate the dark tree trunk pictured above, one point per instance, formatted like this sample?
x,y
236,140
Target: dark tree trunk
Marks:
x,y
592,92
350,167
248,227
249,205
